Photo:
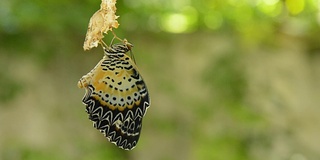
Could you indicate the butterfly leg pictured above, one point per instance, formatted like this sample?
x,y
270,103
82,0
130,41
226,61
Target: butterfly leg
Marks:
x,y
115,37
104,45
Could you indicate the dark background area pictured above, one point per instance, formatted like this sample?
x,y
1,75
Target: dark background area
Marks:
x,y
229,80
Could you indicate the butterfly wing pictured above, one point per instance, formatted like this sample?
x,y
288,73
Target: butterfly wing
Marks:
x,y
116,100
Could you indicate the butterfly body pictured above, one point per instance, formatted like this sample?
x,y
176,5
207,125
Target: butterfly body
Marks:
x,y
116,97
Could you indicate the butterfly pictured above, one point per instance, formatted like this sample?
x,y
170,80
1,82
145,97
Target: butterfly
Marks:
x,y
116,97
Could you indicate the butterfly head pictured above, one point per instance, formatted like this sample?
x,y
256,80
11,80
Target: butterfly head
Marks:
x,y
118,48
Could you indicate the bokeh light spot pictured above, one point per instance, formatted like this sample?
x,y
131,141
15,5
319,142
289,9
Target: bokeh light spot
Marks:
x,y
295,6
271,8
270,2
213,20
175,23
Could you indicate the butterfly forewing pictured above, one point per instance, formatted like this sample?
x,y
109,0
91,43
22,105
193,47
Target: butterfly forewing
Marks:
x,y
116,97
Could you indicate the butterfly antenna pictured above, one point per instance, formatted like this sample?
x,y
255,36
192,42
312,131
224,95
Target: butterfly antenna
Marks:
x,y
132,57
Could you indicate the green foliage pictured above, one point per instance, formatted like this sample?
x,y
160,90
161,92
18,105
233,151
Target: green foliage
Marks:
x,y
9,87
226,77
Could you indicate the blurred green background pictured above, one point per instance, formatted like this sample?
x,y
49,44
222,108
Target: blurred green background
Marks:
x,y
229,80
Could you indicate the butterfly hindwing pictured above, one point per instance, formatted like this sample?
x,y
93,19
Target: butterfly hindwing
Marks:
x,y
116,97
